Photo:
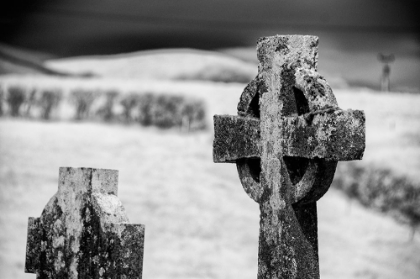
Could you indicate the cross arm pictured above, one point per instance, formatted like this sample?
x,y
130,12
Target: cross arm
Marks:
x,y
235,137
337,136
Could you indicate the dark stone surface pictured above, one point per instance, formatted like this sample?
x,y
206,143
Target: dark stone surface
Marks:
x,y
83,231
33,248
337,136
286,150
249,101
236,137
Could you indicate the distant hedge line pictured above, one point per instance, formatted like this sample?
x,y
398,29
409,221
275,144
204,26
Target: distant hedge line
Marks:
x,y
382,190
147,109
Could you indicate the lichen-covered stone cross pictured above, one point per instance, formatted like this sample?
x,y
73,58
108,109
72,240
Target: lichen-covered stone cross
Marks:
x,y
83,231
286,142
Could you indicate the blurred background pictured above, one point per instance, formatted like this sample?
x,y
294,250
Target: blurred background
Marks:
x,y
352,32
133,86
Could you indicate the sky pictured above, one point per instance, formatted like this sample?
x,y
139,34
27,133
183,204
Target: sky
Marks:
x,y
355,28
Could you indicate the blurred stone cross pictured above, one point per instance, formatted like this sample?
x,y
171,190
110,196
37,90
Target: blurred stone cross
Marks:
x,y
386,70
83,231
286,142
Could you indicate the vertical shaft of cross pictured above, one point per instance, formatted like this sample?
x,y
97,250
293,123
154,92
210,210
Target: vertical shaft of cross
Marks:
x,y
285,251
306,215
273,201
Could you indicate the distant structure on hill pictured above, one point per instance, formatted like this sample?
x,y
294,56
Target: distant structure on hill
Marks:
x,y
386,70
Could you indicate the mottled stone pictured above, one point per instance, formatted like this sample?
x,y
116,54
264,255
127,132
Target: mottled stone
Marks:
x,y
336,136
286,142
230,142
83,231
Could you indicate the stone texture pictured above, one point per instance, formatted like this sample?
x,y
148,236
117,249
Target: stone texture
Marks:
x,y
326,136
286,142
230,142
336,136
83,231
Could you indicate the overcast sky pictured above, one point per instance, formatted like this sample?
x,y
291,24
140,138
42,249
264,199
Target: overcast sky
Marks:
x,y
98,26
352,32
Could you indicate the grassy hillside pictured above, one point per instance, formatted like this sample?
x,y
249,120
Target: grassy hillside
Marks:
x,y
167,64
343,67
20,61
393,120
199,221
178,64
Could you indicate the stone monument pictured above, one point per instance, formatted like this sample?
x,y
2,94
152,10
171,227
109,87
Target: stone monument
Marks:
x,y
286,142
84,232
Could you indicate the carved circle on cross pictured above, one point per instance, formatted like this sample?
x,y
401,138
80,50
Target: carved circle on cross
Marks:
x,y
307,94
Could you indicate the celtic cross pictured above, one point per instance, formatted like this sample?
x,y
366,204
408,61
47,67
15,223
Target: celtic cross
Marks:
x,y
286,142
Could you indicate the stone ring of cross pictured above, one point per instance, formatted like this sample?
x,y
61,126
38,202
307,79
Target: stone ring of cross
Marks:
x,y
306,94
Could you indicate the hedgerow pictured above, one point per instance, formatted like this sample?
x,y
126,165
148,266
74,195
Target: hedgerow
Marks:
x,y
144,108
83,100
15,98
49,99
381,189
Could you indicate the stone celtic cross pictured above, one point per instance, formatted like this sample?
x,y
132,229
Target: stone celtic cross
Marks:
x,y
286,142
83,231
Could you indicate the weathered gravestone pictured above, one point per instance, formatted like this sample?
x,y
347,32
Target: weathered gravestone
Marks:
x,y
286,142
83,231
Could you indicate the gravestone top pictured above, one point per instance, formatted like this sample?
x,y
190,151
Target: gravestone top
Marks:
x,y
286,142
83,231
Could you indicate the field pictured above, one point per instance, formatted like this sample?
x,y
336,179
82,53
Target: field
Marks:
x,y
199,221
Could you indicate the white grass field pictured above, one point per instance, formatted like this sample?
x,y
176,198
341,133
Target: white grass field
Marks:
x,y
178,64
393,119
199,221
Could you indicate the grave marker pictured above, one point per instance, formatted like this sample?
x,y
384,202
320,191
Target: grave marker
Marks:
x,y
286,142
83,231
386,70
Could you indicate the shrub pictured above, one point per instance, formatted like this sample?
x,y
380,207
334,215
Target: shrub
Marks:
x,y
31,100
411,210
1,100
106,111
50,98
15,99
128,103
193,115
381,189
145,102
166,111
83,99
